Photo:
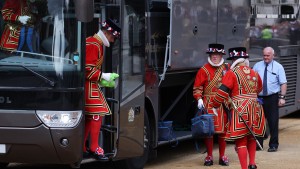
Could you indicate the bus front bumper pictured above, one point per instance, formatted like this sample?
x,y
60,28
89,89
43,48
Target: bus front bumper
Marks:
x,y
41,144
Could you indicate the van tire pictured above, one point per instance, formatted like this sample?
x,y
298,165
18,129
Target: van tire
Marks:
x,y
138,162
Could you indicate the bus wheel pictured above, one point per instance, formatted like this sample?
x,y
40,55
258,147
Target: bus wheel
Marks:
x,y
138,162
3,165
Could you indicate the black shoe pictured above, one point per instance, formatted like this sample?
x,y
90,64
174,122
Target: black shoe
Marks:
x,y
272,149
99,154
252,167
208,161
100,157
224,161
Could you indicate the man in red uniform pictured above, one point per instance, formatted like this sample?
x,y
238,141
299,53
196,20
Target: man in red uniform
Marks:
x,y
208,80
95,104
17,15
243,85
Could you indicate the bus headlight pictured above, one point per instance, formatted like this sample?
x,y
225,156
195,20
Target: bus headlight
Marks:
x,y
59,118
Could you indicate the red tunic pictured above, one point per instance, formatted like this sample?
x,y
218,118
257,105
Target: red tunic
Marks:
x,y
11,11
207,82
95,103
244,84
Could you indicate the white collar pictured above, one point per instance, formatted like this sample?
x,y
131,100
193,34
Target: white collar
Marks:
x,y
240,60
216,65
103,38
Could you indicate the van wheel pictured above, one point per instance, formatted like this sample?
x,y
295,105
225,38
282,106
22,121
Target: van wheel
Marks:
x,y
3,165
138,162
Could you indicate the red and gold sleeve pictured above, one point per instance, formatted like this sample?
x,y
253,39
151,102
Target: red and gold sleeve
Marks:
x,y
93,73
8,10
224,89
229,80
199,83
221,96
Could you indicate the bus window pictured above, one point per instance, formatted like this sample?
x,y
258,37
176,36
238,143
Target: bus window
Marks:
x,y
41,37
1,24
134,48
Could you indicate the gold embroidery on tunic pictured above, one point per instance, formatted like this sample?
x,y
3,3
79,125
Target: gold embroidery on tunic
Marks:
x,y
246,70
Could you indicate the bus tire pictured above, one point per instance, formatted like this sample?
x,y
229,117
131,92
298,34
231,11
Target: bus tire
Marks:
x,y
138,162
3,165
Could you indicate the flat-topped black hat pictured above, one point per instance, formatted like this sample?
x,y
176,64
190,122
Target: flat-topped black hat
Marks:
x,y
215,48
111,26
237,52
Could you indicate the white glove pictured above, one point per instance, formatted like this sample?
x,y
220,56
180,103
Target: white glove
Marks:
x,y
24,19
200,104
215,111
106,76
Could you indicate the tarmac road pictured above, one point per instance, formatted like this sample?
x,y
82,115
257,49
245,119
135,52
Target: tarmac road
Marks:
x,y
89,164
185,155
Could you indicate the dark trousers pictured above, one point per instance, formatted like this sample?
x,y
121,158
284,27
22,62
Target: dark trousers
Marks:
x,y
271,110
26,35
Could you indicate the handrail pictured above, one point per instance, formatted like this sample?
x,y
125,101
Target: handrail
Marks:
x,y
39,54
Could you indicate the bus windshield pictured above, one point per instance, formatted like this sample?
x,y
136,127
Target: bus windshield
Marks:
x,y
40,44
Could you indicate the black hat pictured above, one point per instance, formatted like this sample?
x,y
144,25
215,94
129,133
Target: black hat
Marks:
x,y
111,26
215,48
237,52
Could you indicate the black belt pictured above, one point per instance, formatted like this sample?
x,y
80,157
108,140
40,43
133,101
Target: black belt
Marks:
x,y
269,95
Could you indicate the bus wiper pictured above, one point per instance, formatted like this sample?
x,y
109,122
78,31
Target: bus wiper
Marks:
x,y
50,82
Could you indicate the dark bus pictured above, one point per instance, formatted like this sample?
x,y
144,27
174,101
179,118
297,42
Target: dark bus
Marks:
x,y
162,46
42,85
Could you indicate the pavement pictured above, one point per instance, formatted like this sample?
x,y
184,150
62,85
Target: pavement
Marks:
x,y
287,157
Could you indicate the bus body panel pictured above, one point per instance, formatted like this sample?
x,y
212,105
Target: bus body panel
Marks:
x,y
150,28
130,135
41,144
289,58
228,22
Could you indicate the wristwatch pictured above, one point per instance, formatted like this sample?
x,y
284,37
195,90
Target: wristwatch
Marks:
x,y
281,97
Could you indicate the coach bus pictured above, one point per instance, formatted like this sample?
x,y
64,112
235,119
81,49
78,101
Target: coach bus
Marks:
x,y
161,48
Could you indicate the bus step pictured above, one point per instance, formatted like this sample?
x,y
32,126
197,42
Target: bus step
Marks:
x,y
109,128
91,157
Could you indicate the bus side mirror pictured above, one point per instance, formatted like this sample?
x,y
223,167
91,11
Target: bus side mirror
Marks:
x,y
84,10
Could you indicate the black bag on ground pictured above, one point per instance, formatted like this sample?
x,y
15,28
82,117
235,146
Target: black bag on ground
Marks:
x,y
202,124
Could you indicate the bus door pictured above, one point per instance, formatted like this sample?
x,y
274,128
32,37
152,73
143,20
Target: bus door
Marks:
x,y
126,57
132,88
232,22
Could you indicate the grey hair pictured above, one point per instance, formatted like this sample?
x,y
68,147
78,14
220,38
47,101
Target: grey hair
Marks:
x,y
270,48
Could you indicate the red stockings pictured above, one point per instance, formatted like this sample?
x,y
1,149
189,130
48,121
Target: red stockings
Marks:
x,y
209,143
244,146
92,127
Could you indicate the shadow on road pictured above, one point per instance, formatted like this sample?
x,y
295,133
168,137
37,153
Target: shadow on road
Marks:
x,y
293,115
